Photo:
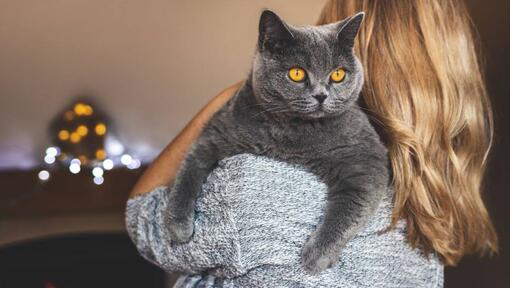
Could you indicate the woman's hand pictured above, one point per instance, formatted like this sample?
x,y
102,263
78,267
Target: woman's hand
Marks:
x,y
164,168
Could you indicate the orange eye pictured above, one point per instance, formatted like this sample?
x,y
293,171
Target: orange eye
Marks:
x,y
338,75
297,74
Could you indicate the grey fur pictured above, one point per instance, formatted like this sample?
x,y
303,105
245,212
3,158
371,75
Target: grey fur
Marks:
x,y
273,116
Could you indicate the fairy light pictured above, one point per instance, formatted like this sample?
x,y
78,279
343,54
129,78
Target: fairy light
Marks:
x,y
75,137
63,135
100,154
108,164
53,151
134,164
126,159
82,130
87,110
43,175
98,172
49,159
74,168
86,143
100,129
98,180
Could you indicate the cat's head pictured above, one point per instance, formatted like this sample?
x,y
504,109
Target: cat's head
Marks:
x,y
307,72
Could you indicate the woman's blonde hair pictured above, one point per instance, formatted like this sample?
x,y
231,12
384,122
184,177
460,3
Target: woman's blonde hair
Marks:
x,y
425,90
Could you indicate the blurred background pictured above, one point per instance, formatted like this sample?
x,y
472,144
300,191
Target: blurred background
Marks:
x,y
91,91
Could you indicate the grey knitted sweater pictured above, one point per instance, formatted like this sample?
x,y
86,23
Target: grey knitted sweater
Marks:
x,y
252,219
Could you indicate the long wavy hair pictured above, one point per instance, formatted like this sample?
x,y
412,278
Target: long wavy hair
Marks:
x,y
425,91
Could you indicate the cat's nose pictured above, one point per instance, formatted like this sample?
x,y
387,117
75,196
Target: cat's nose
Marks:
x,y
320,98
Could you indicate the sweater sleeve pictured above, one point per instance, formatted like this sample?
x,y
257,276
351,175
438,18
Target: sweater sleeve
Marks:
x,y
210,247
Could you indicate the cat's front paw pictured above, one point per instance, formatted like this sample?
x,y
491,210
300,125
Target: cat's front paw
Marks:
x,y
180,230
317,257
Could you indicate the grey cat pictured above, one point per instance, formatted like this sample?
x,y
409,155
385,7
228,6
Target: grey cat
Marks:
x,y
298,105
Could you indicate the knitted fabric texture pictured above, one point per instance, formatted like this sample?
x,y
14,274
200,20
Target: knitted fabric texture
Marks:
x,y
253,217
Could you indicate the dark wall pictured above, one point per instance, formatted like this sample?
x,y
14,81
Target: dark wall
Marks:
x,y
493,21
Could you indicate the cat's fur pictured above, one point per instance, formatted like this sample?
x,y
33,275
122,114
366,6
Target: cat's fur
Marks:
x,y
273,116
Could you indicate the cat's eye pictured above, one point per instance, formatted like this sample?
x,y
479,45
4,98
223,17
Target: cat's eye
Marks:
x,y
297,74
338,75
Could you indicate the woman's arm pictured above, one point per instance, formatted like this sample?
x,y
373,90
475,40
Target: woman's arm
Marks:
x,y
164,168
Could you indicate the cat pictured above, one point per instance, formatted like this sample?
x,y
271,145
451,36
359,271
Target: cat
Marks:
x,y
298,105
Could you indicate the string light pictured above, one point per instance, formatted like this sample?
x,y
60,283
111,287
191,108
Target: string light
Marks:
x,y
53,151
134,164
49,159
98,180
100,154
97,144
126,159
63,135
108,164
100,129
97,172
82,130
75,137
74,168
87,110
43,175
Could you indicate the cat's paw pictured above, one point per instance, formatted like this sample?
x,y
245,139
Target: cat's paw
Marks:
x,y
317,257
180,231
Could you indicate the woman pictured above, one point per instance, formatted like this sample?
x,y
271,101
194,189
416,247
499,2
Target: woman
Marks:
x,y
425,92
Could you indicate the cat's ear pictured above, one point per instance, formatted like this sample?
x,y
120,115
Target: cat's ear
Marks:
x,y
273,32
349,29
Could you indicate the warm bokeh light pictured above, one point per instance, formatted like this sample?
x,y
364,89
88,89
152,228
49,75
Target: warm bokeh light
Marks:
x,y
87,110
83,159
63,135
82,130
79,109
100,129
100,154
68,115
75,137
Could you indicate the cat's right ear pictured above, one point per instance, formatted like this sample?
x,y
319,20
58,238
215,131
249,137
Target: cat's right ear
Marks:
x,y
274,34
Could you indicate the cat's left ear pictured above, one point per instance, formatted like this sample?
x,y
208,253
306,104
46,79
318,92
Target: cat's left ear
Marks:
x,y
349,29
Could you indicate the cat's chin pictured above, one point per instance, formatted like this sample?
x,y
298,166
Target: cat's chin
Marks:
x,y
318,114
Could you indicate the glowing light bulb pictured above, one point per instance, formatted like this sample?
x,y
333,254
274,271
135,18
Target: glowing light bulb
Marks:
x,y
126,159
49,159
63,135
98,180
82,130
43,175
100,154
87,110
75,137
52,151
80,109
98,172
100,129
135,164
76,161
108,164
74,168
